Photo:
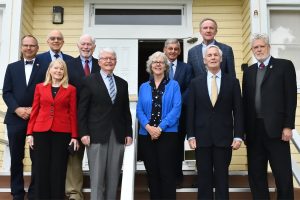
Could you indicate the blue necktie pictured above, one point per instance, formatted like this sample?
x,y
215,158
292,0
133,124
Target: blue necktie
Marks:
x,y
171,71
112,89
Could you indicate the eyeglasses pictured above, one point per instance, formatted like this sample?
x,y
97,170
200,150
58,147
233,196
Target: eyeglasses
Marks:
x,y
55,38
158,62
29,46
106,59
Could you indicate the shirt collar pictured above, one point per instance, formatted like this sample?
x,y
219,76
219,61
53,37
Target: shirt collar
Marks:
x,y
29,60
174,62
266,62
218,75
52,53
103,74
212,43
83,59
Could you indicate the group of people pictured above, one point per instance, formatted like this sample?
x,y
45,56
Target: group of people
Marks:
x,y
65,104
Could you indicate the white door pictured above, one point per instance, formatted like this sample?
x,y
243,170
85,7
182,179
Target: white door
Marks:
x,y
127,59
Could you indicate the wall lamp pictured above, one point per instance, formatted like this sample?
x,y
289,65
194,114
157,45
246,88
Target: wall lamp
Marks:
x,y
58,15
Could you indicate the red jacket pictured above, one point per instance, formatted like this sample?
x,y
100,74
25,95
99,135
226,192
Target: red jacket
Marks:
x,y
58,114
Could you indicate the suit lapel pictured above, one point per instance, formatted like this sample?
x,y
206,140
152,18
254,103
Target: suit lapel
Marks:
x,y
60,94
200,59
178,70
268,70
35,69
102,86
204,90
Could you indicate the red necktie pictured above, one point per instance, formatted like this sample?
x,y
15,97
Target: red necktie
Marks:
x,y
86,68
261,66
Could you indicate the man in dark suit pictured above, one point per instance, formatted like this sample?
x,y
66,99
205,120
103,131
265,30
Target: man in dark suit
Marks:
x,y
270,100
208,31
55,40
18,90
182,73
214,124
105,125
78,68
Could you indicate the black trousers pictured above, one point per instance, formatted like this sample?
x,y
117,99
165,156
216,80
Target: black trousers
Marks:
x,y
212,165
159,157
51,156
260,150
16,138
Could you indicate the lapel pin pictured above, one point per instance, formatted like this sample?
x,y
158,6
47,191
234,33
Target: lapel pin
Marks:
x,y
271,67
37,64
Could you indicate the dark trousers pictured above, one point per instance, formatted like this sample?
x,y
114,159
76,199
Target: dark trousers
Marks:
x,y
16,138
51,154
212,165
262,149
159,157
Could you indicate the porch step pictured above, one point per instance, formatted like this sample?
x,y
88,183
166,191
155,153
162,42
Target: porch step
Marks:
x,y
238,183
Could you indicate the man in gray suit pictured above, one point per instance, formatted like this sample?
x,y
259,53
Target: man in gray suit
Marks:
x,y
208,31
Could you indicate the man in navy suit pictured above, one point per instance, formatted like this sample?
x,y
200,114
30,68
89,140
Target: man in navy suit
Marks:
x,y
208,31
55,41
78,68
182,73
214,124
270,101
18,90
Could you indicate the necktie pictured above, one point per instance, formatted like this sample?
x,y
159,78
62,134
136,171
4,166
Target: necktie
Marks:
x,y
214,90
171,71
86,68
112,90
28,62
56,55
261,66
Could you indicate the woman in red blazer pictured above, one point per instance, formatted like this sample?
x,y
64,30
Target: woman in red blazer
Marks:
x,y
51,129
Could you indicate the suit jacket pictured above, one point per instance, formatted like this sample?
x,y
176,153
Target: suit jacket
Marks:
x,y
76,72
46,59
97,115
183,75
58,114
16,93
195,59
278,97
219,124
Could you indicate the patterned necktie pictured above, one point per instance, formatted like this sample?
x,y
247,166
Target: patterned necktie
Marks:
x,y
214,90
56,55
171,71
112,89
86,68
261,66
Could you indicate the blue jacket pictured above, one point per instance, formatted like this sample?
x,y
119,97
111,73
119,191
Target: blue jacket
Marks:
x,y
171,107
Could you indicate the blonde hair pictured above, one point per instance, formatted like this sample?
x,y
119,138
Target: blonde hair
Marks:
x,y
65,79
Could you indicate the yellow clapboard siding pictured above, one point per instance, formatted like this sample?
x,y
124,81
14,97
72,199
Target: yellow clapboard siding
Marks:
x,y
217,9
197,3
67,10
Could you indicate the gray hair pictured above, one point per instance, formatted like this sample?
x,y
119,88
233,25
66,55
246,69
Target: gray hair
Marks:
x,y
155,55
213,46
208,19
260,36
172,41
107,50
93,40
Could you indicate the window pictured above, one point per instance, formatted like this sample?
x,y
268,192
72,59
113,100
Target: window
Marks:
x,y
284,36
138,16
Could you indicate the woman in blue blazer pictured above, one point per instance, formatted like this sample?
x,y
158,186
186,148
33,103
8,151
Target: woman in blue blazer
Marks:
x,y
158,111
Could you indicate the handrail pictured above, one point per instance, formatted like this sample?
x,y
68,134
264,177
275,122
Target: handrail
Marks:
x,y
129,167
295,165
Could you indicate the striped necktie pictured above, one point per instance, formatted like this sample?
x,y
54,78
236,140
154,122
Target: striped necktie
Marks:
x,y
112,89
171,71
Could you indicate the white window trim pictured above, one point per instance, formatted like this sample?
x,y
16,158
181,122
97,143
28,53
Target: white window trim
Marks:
x,y
137,31
10,34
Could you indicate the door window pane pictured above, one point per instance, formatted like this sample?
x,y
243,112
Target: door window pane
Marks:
x,y
284,36
138,17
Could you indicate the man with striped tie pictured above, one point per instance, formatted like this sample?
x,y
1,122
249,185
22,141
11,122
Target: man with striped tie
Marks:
x,y
105,125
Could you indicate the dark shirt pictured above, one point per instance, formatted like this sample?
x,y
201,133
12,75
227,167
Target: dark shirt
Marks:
x,y
157,94
54,91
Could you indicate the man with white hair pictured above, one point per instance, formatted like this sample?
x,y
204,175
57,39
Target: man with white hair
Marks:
x,y
78,68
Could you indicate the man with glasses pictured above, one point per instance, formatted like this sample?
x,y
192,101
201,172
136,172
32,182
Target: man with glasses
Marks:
x,y
20,80
78,68
55,41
